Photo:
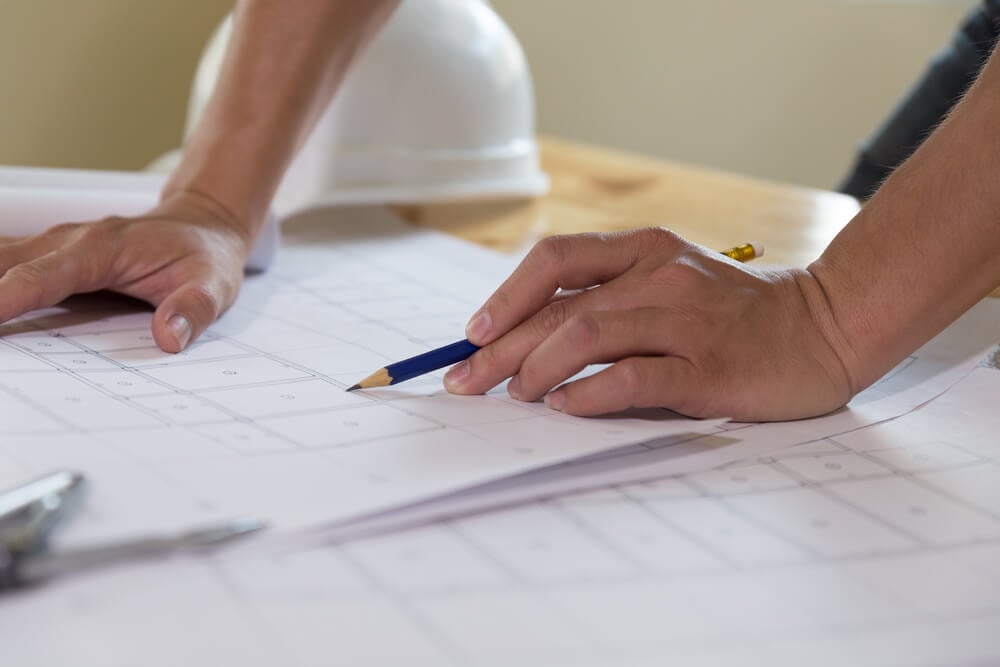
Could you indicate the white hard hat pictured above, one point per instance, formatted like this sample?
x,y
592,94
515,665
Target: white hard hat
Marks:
x,y
438,107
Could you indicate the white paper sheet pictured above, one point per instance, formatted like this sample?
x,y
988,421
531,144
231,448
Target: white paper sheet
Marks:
x,y
924,375
253,419
877,547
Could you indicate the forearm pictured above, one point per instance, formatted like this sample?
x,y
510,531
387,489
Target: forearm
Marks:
x,y
283,64
926,247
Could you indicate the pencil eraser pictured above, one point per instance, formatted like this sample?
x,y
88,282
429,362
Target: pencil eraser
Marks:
x,y
758,249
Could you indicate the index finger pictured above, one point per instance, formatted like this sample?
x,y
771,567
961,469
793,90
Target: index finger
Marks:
x,y
41,282
575,261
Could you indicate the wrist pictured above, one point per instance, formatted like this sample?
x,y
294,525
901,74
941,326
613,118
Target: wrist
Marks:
x,y
222,191
839,353
235,167
206,210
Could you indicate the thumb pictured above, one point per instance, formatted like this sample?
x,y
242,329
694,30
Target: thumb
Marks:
x,y
186,312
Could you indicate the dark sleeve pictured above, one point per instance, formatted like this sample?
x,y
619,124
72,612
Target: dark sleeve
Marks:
x,y
930,99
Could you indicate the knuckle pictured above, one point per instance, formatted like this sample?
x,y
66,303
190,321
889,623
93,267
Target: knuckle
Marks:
x,y
630,378
98,239
582,331
551,251
677,274
112,221
27,276
549,319
94,232
62,230
658,236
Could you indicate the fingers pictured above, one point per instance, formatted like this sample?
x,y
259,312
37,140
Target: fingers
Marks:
x,y
645,374
590,338
636,382
191,272
42,270
190,309
14,251
503,357
41,282
562,262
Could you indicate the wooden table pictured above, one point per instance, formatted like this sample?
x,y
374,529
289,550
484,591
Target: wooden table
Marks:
x,y
596,189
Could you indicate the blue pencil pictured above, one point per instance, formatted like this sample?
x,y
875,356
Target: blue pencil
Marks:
x,y
418,365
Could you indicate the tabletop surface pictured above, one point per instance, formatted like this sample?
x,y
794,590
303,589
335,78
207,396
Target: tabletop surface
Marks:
x,y
597,189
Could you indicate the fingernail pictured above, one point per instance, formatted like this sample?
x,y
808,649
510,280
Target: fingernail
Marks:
x,y
458,374
556,400
180,328
479,326
514,387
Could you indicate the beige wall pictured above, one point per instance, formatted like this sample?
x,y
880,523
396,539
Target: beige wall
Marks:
x,y
97,83
778,88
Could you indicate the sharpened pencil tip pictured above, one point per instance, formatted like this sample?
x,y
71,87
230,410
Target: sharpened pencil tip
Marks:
x,y
379,378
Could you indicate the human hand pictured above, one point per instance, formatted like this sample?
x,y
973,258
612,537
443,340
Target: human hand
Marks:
x,y
684,328
185,257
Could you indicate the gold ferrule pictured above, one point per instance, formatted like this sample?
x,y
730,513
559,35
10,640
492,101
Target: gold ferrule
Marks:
x,y
741,253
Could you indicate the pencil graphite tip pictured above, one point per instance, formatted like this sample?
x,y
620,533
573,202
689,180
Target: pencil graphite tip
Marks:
x,y
379,378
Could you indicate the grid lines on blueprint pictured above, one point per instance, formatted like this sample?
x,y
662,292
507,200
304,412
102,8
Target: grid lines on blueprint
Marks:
x,y
863,548
880,546
259,400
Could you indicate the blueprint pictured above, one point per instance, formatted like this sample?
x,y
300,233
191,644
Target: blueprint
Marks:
x,y
869,537
254,420
877,547
919,378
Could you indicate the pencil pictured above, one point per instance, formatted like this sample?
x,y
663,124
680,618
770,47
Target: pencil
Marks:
x,y
418,365
422,364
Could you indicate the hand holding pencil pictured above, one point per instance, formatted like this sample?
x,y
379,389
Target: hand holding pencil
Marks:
x,y
682,326
421,364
